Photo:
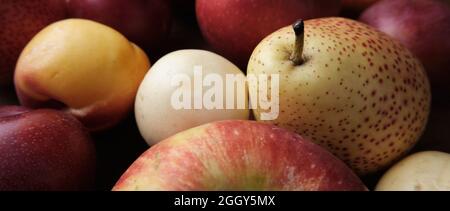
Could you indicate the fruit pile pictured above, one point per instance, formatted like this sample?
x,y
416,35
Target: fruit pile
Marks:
x,y
224,95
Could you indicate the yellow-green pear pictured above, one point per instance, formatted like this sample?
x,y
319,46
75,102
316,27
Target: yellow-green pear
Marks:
x,y
347,87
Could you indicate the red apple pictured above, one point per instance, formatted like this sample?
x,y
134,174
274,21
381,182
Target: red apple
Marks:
x,y
44,150
423,26
144,22
238,155
20,21
235,27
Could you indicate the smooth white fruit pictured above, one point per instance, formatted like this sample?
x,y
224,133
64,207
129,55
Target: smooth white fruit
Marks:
x,y
423,171
156,117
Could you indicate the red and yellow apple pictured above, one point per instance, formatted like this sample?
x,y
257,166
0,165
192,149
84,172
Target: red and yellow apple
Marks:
x,y
44,150
237,155
20,21
85,68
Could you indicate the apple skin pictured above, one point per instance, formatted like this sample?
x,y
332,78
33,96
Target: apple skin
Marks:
x,y
59,69
20,21
423,26
238,155
144,22
44,150
235,27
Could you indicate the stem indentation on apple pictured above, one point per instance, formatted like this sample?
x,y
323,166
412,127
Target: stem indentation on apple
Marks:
x,y
297,54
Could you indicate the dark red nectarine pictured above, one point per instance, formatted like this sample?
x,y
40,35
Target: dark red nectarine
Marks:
x,y
44,150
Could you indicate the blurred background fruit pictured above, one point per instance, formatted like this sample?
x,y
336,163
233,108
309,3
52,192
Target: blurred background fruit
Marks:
x,y
83,67
44,150
20,21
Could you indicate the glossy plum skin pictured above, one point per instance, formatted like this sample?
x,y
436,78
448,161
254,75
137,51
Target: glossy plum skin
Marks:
x,y
44,150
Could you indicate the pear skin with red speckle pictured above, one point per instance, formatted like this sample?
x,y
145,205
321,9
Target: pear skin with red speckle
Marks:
x,y
356,92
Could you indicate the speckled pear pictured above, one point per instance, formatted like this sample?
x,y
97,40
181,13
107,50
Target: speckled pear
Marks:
x,y
347,87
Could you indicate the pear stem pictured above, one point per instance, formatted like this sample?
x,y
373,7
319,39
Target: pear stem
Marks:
x,y
297,54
